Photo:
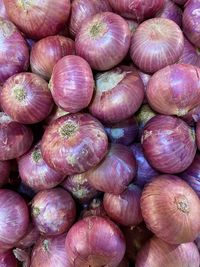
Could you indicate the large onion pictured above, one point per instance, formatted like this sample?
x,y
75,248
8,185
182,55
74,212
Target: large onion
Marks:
x,y
7,259
191,54
5,168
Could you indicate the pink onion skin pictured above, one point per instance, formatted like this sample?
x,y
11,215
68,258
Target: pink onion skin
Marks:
x,y
72,83
35,172
124,208
169,144
5,168
3,13
108,35
7,259
68,152
29,238
180,2
27,18
46,53
95,208
118,94
25,97
53,211
191,54
157,253
17,137
102,243
115,172
171,209
157,43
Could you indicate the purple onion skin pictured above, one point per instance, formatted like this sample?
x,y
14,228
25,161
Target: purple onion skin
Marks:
x,y
29,238
5,168
7,259
108,35
69,151
102,243
169,144
3,13
191,54
145,78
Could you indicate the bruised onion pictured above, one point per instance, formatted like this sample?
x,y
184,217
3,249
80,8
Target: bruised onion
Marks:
x,y
30,238
95,208
169,144
171,209
7,259
108,35
190,55
157,42
5,168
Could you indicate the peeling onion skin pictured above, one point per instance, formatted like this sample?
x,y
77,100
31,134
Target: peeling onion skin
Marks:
x,y
5,168
169,144
108,35
147,46
27,18
102,243
191,54
171,209
46,53
7,259
78,143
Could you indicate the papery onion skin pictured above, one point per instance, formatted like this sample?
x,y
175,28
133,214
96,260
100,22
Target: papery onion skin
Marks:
x,y
115,172
25,97
157,43
46,53
3,13
68,152
191,54
156,253
108,35
7,259
72,83
118,94
124,208
169,144
53,211
29,20
95,208
171,209
5,168
102,243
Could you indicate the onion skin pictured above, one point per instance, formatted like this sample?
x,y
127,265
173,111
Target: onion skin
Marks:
x,y
53,211
157,43
190,54
119,93
169,144
198,134
3,13
27,18
171,209
5,168
46,53
95,208
102,243
26,93
115,172
108,35
72,83
156,253
7,259
69,153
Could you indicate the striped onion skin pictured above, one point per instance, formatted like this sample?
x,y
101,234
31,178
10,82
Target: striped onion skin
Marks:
x,y
191,54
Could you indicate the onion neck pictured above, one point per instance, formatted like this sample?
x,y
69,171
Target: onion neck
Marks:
x,y
20,93
98,29
182,204
45,245
68,129
25,4
36,155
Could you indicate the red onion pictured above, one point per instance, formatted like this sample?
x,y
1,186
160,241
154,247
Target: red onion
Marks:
x,y
157,42
15,138
108,35
180,2
118,94
115,172
26,98
169,144
84,9
95,208
14,54
74,143
191,54
158,253
170,209
7,259
72,83
3,12
53,211
55,114
125,207
145,78
95,241
192,116
38,19
46,53
198,134
5,168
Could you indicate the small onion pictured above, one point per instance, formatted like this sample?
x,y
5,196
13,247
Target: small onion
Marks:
x,y
95,208
198,134
108,35
3,12
5,168
171,209
7,259
157,42
191,54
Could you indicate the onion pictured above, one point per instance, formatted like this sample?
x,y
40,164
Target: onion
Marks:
x,y
108,35
180,2
53,211
145,78
95,208
55,114
169,144
5,168
7,259
157,253
119,94
115,172
3,12
95,241
191,54
72,83
14,54
46,53
171,209
74,143
198,134
26,98
157,42
38,19
125,207
192,116
15,138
